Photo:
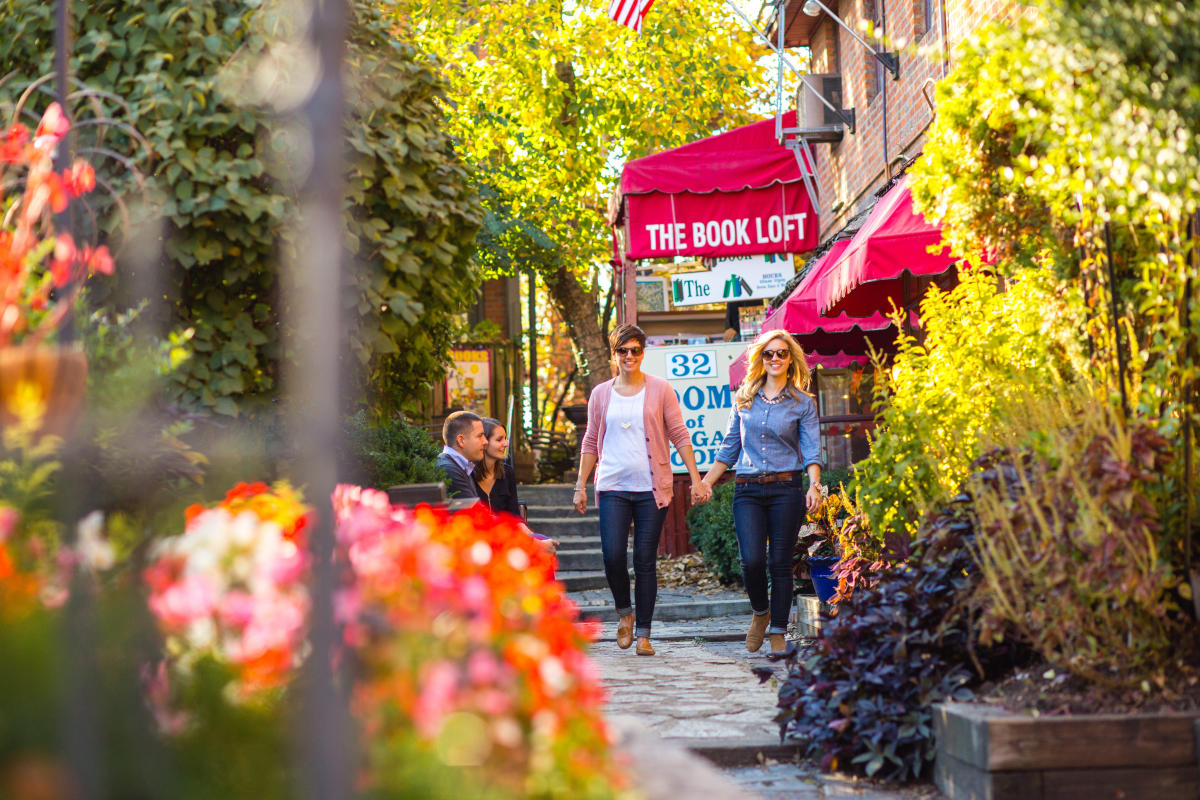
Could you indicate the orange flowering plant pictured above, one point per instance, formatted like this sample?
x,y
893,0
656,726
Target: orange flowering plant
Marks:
x,y
470,659
233,587
474,650
41,271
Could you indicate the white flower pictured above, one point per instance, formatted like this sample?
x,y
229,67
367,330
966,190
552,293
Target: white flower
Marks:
x,y
95,551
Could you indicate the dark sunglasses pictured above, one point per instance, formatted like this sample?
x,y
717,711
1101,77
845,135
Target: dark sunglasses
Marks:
x,y
771,355
629,351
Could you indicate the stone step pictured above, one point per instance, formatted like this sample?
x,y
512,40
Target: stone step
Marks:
x,y
737,752
581,559
697,608
563,526
573,544
565,510
549,494
580,580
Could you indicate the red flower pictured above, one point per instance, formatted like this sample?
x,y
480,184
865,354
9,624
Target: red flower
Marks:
x,y
80,178
98,260
63,260
13,143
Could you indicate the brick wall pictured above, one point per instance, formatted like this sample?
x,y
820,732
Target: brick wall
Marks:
x,y
851,170
499,302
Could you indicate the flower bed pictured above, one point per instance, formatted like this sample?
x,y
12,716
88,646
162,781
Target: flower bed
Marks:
x,y
471,674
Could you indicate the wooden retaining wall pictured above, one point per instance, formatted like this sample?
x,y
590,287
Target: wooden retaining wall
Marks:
x,y
986,753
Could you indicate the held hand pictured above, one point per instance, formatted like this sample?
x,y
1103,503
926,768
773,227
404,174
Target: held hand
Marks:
x,y
580,501
813,497
549,545
701,493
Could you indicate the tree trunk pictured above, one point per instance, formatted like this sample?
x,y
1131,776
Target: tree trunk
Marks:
x,y
580,309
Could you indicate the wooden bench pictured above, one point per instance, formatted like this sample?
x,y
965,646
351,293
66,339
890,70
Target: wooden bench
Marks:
x,y
412,494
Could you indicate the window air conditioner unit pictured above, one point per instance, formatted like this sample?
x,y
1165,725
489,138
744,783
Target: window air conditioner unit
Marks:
x,y
817,121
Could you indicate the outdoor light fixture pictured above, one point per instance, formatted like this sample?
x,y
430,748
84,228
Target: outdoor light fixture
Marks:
x,y
890,60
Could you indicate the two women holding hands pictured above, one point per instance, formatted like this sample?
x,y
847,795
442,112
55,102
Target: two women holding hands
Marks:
x,y
632,421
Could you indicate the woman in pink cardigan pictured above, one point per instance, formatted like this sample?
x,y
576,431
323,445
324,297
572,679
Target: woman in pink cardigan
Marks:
x,y
632,420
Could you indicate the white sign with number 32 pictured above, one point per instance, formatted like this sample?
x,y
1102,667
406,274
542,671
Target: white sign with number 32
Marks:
x,y
699,374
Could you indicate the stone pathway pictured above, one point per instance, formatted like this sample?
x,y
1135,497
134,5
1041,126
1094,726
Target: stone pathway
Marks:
x,y
698,694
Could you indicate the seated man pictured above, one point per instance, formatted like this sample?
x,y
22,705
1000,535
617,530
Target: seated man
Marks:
x,y
464,443
464,440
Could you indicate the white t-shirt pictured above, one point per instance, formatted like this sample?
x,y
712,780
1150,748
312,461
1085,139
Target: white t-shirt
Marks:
x,y
624,463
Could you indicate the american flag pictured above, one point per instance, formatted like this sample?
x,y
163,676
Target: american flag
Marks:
x,y
629,12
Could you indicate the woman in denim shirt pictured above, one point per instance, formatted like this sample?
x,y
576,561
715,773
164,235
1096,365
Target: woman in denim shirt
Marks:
x,y
773,439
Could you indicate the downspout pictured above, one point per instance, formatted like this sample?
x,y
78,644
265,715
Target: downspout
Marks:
x,y
945,40
887,164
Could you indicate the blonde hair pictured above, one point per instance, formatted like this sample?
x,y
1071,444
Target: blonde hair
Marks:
x,y
798,379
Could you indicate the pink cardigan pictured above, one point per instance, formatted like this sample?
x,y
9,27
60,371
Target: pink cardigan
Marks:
x,y
664,426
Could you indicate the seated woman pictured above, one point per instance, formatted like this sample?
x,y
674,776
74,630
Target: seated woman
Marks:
x,y
495,481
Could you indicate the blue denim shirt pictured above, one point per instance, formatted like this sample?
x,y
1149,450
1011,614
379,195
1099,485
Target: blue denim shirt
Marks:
x,y
780,437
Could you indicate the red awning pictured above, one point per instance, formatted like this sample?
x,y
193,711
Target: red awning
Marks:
x,y
737,369
887,261
736,193
798,316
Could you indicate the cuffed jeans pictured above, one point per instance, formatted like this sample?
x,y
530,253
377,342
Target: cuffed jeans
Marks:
x,y
617,510
767,517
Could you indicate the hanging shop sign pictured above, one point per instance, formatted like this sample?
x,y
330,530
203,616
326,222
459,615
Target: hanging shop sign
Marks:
x,y
737,278
469,382
699,374
774,219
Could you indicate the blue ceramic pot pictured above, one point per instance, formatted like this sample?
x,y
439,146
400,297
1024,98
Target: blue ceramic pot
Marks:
x,y
823,581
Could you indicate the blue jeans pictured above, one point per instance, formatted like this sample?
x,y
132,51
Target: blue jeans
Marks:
x,y
617,510
767,517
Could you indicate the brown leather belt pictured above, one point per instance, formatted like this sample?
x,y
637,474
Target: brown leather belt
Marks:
x,y
769,477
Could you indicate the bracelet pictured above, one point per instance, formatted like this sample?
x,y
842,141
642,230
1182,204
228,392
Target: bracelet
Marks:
x,y
581,489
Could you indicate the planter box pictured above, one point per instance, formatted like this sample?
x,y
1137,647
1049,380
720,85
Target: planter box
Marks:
x,y
986,753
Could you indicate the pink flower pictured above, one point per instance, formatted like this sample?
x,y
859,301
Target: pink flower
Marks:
x,y
192,598
236,609
439,684
54,126
8,522
275,625
482,668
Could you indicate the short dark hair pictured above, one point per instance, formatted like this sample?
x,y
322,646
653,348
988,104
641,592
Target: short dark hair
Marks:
x,y
623,333
458,423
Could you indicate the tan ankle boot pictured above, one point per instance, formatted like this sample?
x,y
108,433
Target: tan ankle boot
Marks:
x,y
644,648
758,629
778,643
625,632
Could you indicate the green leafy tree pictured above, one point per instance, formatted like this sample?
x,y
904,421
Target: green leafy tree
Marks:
x,y
1073,135
197,81
550,99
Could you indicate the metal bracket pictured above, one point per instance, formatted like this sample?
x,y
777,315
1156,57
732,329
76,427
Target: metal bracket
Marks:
x,y
804,157
890,60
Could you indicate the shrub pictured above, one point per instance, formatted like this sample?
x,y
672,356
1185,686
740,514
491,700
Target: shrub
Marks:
x,y
981,348
1070,545
860,696
711,530
389,452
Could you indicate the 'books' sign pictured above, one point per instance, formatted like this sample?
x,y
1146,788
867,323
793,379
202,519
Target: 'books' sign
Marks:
x,y
736,278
